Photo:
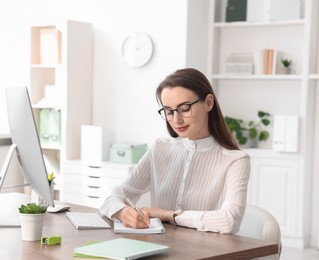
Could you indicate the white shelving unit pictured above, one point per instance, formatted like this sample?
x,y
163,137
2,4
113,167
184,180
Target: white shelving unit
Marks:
x,y
61,57
280,182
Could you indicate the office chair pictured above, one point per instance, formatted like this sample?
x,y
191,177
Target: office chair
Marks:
x,y
260,224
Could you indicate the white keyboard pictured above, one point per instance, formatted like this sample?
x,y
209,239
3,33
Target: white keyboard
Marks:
x,y
83,220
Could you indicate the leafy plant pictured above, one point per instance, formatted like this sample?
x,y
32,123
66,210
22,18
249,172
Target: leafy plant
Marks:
x,y
286,63
51,178
238,127
32,208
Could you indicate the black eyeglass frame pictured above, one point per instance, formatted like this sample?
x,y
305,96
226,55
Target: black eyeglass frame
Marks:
x,y
176,109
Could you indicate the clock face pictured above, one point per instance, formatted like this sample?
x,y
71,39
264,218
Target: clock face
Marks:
x,y
137,49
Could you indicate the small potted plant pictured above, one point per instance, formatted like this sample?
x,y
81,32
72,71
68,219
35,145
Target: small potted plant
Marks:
x,y
247,133
286,66
31,216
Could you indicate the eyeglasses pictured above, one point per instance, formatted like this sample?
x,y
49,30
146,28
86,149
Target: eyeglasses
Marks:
x,y
184,110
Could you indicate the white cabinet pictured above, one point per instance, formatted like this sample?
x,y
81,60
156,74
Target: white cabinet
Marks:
x,y
280,182
90,186
60,88
275,186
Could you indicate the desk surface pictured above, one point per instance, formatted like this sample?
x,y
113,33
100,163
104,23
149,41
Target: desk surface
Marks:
x,y
184,243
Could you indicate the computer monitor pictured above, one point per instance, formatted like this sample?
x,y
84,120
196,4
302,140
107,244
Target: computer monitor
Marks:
x,y
25,143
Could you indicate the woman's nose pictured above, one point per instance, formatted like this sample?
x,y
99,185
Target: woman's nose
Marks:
x,y
177,117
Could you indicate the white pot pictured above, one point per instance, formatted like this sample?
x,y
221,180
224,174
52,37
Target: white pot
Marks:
x,y
286,70
31,226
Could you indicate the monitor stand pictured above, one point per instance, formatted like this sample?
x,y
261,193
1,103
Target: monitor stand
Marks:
x,y
10,202
13,148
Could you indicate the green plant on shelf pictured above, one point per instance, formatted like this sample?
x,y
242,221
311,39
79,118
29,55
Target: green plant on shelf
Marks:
x,y
242,130
286,63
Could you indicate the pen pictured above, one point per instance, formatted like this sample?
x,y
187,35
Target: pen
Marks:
x,y
137,210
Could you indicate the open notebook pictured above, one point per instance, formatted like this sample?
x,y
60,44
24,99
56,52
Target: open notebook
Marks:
x,y
156,228
120,248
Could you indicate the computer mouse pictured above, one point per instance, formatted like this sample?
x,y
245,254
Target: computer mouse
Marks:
x,y
58,208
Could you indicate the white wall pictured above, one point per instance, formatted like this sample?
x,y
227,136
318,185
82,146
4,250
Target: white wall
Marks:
x,y
123,97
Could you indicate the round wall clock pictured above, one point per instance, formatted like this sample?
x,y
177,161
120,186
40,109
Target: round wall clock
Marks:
x,y
137,49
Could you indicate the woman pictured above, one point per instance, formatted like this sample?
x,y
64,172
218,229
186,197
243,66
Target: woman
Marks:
x,y
196,179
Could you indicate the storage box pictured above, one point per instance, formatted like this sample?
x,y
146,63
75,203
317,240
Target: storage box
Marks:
x,y
50,130
50,45
273,10
239,64
91,145
127,153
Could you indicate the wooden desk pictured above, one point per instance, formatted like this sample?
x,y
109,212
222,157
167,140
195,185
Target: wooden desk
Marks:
x,y
184,243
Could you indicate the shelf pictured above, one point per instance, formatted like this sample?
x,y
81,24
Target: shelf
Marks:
x,y
256,77
314,76
259,24
61,88
36,106
44,66
50,147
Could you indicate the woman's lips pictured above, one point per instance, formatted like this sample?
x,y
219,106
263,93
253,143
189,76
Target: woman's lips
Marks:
x,y
182,128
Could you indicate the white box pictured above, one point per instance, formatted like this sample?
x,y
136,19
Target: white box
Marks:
x,y
91,145
286,133
258,10
239,64
279,133
292,134
273,10
50,46
284,10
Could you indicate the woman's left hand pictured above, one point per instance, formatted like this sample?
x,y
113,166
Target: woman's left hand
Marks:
x,y
164,215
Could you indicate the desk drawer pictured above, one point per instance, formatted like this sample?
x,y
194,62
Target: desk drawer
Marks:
x,y
102,182
74,198
94,202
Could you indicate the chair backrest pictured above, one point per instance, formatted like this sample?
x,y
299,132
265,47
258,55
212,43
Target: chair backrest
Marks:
x,y
260,224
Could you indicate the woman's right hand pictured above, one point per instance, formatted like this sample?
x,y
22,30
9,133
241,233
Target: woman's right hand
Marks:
x,y
131,218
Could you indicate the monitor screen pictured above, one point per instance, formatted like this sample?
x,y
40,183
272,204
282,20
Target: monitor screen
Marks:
x,y
24,136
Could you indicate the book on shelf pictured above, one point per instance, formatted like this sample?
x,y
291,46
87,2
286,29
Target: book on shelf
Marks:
x,y
119,248
271,61
155,223
236,10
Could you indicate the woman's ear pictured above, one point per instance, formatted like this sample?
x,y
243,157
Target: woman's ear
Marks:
x,y
209,102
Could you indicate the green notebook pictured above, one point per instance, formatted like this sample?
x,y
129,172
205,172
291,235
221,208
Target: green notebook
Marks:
x,y
121,248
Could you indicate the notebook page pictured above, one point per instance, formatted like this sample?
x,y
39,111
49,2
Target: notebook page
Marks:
x,y
156,228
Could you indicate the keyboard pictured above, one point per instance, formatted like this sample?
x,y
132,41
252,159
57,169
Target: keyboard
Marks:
x,y
84,220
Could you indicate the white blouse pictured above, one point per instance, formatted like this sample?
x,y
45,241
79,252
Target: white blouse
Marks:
x,y
200,177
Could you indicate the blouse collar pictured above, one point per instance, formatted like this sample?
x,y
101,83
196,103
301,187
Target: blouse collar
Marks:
x,y
199,144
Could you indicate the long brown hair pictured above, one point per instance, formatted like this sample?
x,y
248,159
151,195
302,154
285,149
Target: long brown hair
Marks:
x,y
196,81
